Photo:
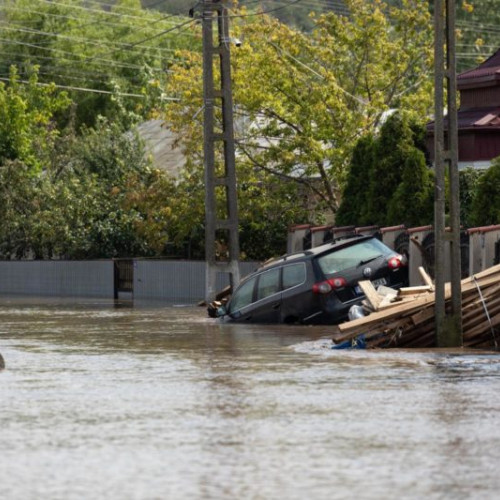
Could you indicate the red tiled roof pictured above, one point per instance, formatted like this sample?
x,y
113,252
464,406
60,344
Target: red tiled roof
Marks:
x,y
486,71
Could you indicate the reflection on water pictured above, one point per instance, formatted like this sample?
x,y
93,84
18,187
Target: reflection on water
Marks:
x,y
107,402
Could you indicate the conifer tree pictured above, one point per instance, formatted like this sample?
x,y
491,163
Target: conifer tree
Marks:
x,y
353,207
486,204
412,203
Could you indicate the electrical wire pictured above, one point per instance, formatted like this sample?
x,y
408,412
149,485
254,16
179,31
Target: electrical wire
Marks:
x,y
289,4
82,61
78,39
93,91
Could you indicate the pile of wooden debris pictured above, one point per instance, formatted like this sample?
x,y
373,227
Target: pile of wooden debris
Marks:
x,y
405,318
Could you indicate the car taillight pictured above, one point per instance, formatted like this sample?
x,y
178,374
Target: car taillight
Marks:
x,y
329,285
396,262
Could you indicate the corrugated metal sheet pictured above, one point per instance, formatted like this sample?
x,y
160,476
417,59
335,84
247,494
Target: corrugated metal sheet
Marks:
x,y
176,280
57,278
171,281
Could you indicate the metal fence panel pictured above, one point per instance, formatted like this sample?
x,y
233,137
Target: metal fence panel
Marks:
x,y
171,281
176,280
57,278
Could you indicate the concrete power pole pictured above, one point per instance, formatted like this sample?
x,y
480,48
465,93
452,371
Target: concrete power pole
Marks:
x,y
448,323
221,208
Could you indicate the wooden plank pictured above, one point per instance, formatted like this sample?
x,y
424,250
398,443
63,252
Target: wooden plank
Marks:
x,y
480,316
386,304
427,279
371,294
363,324
423,315
414,290
483,328
487,272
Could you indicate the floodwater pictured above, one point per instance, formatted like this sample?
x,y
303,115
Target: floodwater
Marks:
x,y
106,401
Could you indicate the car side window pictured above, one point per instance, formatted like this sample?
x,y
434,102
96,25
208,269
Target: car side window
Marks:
x,y
294,275
243,296
269,283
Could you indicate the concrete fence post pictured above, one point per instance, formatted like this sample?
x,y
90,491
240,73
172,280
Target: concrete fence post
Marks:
x,y
296,235
390,234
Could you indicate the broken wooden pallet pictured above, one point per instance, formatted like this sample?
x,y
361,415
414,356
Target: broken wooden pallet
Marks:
x,y
408,320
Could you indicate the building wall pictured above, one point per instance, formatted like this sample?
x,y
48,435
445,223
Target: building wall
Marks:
x,y
479,97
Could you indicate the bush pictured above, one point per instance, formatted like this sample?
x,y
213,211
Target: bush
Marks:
x,y
485,207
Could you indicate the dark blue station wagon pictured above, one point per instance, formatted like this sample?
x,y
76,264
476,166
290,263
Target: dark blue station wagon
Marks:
x,y
317,286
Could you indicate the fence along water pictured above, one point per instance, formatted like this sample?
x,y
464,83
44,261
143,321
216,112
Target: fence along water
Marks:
x,y
137,279
480,246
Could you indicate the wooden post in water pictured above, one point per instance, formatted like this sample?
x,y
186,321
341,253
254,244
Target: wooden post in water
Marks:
x,y
448,325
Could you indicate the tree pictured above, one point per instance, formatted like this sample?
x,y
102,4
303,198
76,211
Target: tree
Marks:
x,y
306,99
353,208
485,208
468,184
28,119
113,61
106,202
389,181
391,151
412,203
477,33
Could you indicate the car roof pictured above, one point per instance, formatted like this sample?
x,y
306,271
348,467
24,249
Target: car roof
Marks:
x,y
313,252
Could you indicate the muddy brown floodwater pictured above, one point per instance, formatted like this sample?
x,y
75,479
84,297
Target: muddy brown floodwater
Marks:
x,y
106,401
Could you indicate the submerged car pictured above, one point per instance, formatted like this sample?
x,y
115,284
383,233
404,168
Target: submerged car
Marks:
x,y
316,286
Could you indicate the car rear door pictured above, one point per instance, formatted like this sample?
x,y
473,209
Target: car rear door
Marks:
x,y
258,300
298,302
267,305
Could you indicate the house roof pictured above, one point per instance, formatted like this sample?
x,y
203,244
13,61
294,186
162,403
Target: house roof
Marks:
x,y
486,73
476,119
479,118
160,142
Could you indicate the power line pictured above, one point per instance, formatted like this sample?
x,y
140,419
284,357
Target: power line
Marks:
x,y
84,89
81,61
72,18
88,9
293,2
76,39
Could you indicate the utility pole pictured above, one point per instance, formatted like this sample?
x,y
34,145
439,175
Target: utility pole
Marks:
x,y
221,208
448,323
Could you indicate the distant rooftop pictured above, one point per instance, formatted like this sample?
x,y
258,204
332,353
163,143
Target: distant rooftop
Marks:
x,y
486,72
159,142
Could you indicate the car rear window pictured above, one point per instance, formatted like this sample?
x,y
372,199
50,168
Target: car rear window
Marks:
x,y
352,256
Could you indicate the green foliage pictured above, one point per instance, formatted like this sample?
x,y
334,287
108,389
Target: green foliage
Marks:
x,y
107,202
412,203
120,54
485,208
478,36
392,147
354,199
28,125
311,96
389,181
468,183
